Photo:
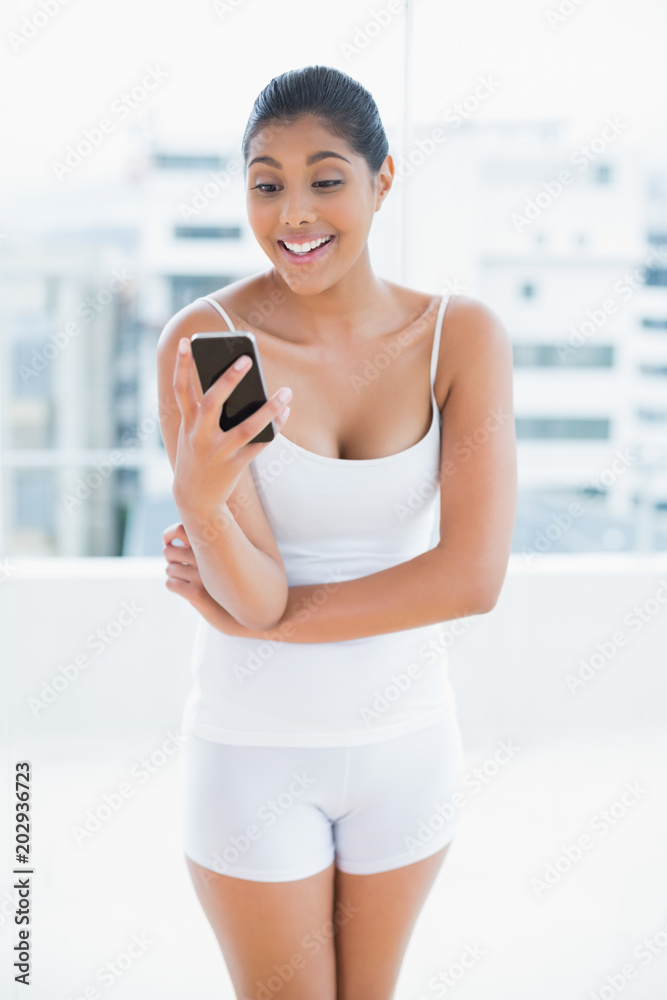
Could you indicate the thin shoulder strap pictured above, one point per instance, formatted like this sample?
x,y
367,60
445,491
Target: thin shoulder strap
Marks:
x,y
216,304
436,337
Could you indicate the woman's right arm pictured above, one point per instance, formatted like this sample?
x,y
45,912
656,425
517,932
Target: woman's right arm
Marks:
x,y
237,556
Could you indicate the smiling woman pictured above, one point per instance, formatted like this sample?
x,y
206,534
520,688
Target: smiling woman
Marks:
x,y
321,584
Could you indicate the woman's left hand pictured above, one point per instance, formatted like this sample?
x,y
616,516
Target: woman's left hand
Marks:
x,y
183,579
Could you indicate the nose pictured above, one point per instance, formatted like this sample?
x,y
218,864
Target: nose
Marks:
x,y
296,209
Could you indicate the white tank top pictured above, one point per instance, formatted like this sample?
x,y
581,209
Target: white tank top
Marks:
x,y
333,520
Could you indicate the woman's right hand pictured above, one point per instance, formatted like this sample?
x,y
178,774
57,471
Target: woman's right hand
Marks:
x,y
209,461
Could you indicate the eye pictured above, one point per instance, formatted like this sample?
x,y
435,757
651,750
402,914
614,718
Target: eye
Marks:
x,y
274,187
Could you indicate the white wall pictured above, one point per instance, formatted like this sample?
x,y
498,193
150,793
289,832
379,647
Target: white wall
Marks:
x,y
508,668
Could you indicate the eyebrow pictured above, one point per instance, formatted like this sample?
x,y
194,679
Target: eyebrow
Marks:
x,y
313,158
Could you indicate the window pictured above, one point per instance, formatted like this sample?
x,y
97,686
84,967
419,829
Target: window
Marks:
x,y
185,288
652,416
655,276
35,500
175,161
647,369
554,356
602,174
528,291
562,428
32,367
650,323
207,232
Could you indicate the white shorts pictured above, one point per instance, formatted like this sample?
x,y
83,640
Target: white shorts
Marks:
x,y
275,814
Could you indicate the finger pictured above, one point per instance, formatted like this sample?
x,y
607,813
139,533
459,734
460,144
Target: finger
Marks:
x,y
178,554
218,393
175,531
190,574
192,590
273,409
180,587
184,389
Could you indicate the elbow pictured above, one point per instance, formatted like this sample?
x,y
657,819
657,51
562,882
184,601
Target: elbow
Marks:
x,y
486,598
257,624
480,600
486,603
267,623
270,619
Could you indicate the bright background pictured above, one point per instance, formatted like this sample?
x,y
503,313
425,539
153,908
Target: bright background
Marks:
x,y
591,415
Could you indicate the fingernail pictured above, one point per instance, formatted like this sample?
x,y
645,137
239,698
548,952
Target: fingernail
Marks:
x,y
183,345
242,363
285,394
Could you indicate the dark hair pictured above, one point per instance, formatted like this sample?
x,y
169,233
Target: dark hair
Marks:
x,y
343,106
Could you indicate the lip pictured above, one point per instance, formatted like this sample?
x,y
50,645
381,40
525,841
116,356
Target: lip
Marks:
x,y
314,255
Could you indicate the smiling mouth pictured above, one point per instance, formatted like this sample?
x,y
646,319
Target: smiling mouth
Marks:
x,y
292,247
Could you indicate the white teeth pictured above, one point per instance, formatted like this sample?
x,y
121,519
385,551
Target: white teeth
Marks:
x,y
305,247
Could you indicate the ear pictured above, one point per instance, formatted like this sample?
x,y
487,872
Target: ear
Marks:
x,y
384,181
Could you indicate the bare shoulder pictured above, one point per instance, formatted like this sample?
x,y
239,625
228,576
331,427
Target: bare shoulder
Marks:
x,y
473,334
470,319
477,356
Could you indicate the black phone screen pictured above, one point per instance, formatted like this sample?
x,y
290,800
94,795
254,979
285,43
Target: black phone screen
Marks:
x,y
213,354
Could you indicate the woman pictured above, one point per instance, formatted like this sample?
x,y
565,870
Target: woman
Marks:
x,y
323,747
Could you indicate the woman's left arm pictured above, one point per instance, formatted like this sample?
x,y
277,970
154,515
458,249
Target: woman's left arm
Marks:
x,y
463,575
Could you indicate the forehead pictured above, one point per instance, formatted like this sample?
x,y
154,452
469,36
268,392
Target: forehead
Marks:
x,y
297,140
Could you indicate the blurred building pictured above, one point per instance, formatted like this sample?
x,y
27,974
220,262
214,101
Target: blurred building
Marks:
x,y
576,271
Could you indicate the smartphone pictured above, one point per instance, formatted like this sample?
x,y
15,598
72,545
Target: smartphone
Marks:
x,y
213,354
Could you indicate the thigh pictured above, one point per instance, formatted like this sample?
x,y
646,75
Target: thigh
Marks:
x,y
383,909
401,811
275,937
259,850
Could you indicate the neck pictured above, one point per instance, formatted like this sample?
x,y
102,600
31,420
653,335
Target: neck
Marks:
x,y
342,310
